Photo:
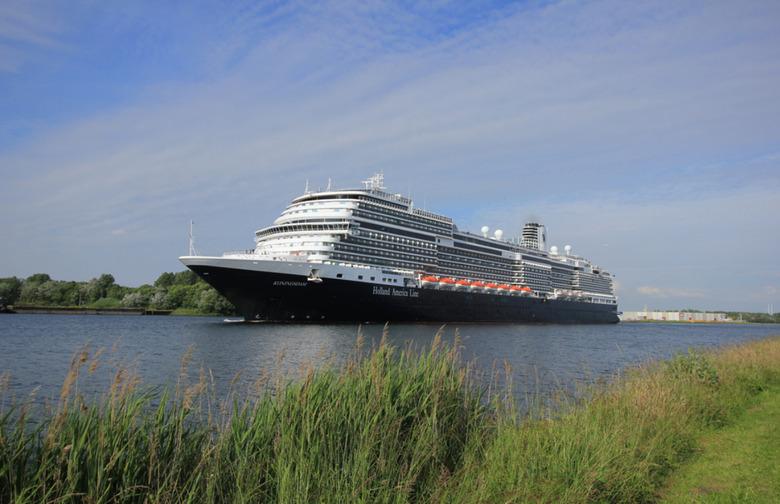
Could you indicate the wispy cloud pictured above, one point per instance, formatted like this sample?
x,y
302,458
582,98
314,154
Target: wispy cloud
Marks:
x,y
25,32
657,292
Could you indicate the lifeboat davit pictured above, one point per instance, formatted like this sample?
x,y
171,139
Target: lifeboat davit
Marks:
x,y
429,281
461,285
446,283
477,286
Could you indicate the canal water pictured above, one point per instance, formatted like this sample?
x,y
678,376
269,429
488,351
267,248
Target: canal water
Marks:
x,y
36,350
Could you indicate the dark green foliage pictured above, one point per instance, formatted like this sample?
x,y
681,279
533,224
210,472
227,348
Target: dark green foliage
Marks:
x,y
10,288
165,280
755,318
38,278
171,291
186,277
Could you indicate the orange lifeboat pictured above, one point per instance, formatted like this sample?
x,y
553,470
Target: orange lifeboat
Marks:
x,y
477,286
515,290
503,289
526,291
490,287
461,285
446,283
429,281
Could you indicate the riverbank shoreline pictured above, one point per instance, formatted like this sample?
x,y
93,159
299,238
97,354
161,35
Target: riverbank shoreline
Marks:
x,y
699,322
59,310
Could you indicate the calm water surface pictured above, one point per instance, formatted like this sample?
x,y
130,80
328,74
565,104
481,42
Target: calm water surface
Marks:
x,y
36,350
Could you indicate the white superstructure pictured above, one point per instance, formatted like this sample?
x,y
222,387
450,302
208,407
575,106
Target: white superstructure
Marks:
x,y
371,229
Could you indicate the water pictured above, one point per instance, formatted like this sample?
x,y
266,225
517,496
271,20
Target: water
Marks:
x,y
36,350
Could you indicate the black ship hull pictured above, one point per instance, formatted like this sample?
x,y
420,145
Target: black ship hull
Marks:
x,y
275,297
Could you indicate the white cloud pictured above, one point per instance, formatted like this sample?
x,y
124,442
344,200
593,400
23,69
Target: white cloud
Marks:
x,y
657,292
651,291
26,31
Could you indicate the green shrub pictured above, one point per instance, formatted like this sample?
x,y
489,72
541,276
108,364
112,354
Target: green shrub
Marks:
x,y
694,363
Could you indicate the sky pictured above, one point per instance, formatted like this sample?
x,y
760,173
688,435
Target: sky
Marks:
x,y
645,134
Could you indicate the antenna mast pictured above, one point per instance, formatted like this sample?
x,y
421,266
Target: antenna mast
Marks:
x,y
376,183
193,252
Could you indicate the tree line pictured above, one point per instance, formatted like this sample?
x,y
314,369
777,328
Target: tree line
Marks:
x,y
753,318
183,292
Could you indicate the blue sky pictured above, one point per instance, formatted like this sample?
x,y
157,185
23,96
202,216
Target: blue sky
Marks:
x,y
645,134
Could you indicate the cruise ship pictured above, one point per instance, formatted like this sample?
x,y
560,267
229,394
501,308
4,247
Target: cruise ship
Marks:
x,y
367,255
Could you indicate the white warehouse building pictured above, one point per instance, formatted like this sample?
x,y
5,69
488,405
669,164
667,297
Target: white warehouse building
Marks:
x,y
673,316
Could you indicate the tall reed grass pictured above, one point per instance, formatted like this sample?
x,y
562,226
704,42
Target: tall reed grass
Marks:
x,y
621,444
389,425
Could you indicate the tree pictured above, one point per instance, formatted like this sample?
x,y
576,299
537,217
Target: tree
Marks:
x,y
171,291
160,297
91,291
165,280
134,300
147,291
38,291
38,278
177,297
108,287
138,298
67,294
212,301
10,289
186,277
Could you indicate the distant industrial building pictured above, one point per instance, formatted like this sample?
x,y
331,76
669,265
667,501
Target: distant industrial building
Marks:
x,y
673,316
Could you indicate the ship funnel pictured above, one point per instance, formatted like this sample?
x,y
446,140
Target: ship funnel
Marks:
x,y
534,236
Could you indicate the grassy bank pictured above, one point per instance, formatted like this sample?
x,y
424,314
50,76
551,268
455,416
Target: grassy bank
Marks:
x,y
390,425
739,463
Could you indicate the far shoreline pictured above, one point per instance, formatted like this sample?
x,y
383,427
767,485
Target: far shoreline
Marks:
x,y
64,310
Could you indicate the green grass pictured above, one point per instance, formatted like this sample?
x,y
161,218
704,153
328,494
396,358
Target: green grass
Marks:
x,y
392,425
739,463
